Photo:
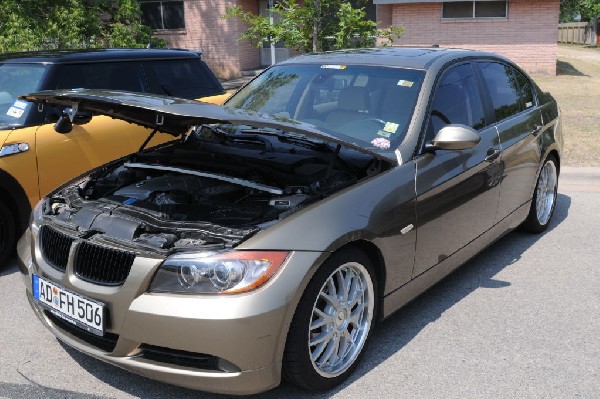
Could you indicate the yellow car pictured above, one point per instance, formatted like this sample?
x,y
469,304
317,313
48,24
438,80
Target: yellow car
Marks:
x,y
36,159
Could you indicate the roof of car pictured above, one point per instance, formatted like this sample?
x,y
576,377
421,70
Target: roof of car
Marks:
x,y
94,55
407,57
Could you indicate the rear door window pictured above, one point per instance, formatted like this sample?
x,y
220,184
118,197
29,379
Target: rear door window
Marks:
x,y
525,89
503,87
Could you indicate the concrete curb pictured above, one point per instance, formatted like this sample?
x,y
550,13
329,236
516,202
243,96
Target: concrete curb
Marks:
x,y
583,179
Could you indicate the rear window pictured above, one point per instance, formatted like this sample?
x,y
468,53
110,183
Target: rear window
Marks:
x,y
189,79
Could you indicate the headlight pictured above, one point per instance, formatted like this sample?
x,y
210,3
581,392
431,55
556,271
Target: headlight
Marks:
x,y
217,272
35,219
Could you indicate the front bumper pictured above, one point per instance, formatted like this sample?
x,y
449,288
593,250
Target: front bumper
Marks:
x,y
227,344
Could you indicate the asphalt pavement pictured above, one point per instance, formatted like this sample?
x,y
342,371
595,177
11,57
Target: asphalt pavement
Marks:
x,y
521,320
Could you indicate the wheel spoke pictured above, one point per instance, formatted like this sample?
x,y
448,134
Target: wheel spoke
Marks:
x,y
324,336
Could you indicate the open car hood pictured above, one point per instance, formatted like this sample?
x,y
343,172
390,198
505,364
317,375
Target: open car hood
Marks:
x,y
176,116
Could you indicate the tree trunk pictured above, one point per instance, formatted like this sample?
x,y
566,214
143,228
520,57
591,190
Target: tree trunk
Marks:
x,y
316,25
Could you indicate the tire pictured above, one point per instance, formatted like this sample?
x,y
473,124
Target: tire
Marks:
x,y
544,198
338,322
8,233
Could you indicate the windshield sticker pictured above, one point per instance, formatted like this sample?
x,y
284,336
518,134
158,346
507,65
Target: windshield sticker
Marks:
x,y
391,127
333,66
14,112
382,143
405,83
20,104
384,133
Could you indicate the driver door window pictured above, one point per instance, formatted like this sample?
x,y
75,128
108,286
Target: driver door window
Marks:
x,y
456,101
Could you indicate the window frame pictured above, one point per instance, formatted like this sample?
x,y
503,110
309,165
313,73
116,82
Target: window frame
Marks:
x,y
473,14
162,14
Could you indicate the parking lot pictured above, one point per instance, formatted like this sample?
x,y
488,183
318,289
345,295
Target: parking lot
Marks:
x,y
519,320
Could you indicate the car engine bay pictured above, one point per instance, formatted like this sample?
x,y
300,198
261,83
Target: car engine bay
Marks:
x,y
215,187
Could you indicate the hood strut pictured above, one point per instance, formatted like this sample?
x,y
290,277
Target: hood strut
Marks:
x,y
145,143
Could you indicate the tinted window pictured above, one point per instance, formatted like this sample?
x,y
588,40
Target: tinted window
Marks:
x,y
163,14
109,75
474,9
456,101
182,78
490,9
526,90
459,9
503,87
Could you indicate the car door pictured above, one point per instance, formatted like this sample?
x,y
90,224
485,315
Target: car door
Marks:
x,y
457,191
519,123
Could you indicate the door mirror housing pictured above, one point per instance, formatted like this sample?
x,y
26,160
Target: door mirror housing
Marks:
x,y
454,137
65,122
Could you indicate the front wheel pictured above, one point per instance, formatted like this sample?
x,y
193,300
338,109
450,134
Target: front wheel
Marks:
x,y
544,198
8,233
332,322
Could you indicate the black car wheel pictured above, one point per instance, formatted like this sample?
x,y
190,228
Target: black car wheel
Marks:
x,y
7,233
333,322
544,197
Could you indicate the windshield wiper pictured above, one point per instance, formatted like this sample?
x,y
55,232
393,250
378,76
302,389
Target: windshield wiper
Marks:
x,y
291,137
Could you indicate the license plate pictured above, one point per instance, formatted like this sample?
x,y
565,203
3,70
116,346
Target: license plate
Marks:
x,y
74,308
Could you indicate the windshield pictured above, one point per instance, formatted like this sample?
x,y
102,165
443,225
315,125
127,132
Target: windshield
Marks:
x,y
16,80
368,106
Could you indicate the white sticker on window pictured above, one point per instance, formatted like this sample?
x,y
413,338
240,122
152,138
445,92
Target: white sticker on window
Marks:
x,y
20,104
528,105
14,112
333,66
405,83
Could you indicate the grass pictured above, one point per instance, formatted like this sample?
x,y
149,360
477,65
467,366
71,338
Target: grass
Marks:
x,y
577,90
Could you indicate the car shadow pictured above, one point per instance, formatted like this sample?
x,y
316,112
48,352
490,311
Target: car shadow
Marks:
x,y
564,68
390,336
9,267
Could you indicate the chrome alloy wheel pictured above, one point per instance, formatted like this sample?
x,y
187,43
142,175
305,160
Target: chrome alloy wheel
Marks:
x,y
341,319
546,192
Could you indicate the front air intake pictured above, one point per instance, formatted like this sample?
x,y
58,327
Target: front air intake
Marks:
x,y
55,247
102,265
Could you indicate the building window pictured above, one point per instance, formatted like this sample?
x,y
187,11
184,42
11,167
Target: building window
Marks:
x,y
474,9
160,15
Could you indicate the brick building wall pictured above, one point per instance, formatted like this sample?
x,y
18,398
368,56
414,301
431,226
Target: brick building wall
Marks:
x,y
217,38
528,36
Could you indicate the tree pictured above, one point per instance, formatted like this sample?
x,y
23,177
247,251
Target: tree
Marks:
x,y
314,26
61,24
585,9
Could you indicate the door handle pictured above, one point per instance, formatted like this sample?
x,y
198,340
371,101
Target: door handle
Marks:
x,y
493,154
536,131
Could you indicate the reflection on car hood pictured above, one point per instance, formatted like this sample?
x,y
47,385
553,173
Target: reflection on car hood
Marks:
x,y
175,115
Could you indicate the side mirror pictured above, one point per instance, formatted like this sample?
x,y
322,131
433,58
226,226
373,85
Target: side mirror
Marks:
x,y
63,125
454,137
65,122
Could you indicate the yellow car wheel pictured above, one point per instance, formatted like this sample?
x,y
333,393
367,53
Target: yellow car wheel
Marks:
x,y
7,233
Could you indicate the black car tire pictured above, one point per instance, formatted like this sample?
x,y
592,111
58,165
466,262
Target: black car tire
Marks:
x,y
298,366
536,223
8,233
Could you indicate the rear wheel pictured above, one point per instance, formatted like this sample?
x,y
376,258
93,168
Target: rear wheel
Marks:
x,y
8,233
544,197
332,323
